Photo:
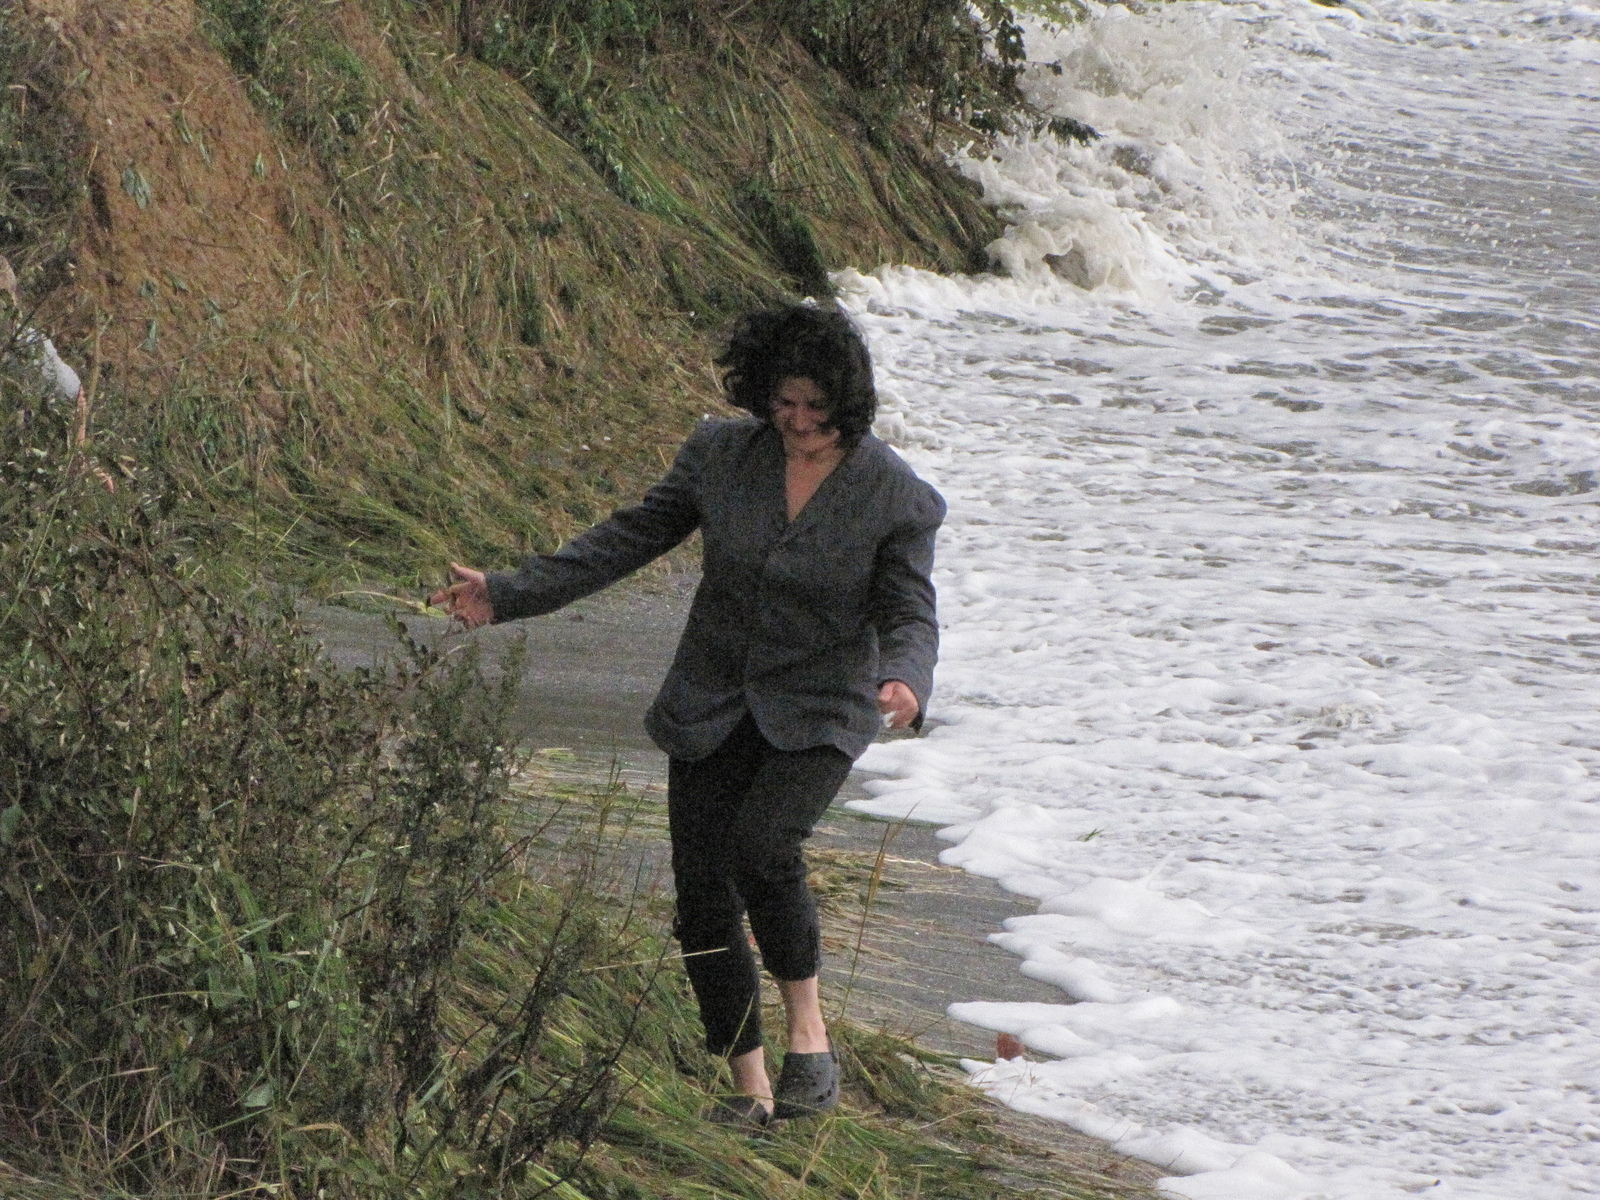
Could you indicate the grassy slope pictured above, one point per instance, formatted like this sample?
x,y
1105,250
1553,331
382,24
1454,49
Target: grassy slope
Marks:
x,y
375,301
350,300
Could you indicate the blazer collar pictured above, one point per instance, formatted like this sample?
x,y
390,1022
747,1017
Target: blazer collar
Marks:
x,y
832,501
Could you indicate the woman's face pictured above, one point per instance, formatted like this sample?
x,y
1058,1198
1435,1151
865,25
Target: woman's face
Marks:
x,y
800,412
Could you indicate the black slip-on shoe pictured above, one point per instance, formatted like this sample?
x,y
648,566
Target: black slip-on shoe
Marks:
x,y
808,1085
740,1112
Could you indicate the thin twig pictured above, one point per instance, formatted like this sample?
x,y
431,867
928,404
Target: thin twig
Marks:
x,y
644,962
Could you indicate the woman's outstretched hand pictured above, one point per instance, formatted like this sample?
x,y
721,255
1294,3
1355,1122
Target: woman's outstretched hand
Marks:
x,y
467,600
897,704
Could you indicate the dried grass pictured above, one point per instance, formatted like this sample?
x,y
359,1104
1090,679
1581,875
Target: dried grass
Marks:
x,y
378,303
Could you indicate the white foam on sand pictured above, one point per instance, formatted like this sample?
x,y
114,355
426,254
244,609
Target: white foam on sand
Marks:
x,y
1269,659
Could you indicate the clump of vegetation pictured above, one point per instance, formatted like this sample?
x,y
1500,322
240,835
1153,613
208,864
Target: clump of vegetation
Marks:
x,y
41,154
267,928
41,164
943,59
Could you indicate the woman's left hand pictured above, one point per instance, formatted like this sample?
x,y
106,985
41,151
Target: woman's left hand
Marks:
x,y
898,705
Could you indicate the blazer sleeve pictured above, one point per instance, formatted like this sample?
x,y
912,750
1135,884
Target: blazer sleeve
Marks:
x,y
902,603
616,547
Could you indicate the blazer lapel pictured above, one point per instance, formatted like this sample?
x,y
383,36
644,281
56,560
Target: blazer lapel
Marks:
x,y
767,490
832,495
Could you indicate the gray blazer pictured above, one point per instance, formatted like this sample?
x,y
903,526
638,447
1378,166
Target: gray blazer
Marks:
x,y
797,623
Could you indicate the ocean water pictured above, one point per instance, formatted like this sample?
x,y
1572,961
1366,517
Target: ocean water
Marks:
x,y
1268,586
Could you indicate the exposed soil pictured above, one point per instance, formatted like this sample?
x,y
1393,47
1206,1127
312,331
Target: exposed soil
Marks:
x,y
193,227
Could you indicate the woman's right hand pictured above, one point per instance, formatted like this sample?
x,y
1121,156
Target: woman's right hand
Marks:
x,y
467,600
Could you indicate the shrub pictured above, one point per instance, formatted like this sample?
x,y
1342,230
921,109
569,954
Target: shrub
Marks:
x,y
237,887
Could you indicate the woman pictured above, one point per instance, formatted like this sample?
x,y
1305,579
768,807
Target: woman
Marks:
x,y
813,623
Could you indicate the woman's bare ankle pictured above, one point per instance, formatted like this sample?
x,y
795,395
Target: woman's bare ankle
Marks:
x,y
808,1033
749,1071
810,1041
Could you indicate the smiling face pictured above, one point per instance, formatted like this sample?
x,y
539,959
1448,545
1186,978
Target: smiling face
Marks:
x,y
800,412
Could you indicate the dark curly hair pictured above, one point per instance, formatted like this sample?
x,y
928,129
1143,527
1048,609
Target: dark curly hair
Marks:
x,y
803,342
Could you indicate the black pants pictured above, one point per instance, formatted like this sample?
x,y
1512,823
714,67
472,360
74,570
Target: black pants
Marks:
x,y
738,817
